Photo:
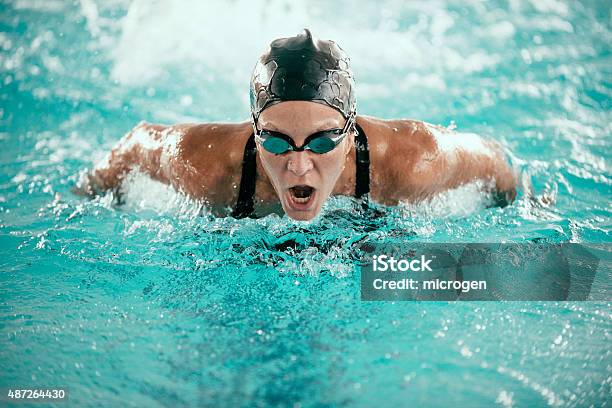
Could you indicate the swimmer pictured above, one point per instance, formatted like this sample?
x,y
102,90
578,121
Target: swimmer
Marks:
x,y
303,143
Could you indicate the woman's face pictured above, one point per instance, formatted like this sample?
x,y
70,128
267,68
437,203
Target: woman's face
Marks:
x,y
302,180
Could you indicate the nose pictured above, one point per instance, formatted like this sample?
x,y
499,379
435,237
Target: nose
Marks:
x,y
299,163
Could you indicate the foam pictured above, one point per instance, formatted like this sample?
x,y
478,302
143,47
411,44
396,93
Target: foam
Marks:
x,y
464,200
141,193
90,12
157,36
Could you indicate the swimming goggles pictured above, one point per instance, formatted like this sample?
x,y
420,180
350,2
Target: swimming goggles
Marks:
x,y
320,142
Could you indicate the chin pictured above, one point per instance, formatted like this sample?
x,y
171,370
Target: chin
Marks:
x,y
302,215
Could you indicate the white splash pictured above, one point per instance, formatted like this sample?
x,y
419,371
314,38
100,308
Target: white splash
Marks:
x,y
504,398
461,201
141,193
140,137
193,35
90,12
104,162
449,141
171,139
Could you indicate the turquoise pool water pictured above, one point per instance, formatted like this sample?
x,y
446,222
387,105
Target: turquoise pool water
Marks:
x,y
151,304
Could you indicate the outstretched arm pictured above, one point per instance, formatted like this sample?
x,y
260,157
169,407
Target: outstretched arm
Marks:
x,y
201,160
429,159
461,158
151,148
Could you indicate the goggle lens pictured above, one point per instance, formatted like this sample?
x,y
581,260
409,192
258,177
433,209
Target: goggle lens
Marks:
x,y
276,145
321,144
324,143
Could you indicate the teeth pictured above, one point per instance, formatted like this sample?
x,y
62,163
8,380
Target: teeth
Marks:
x,y
301,194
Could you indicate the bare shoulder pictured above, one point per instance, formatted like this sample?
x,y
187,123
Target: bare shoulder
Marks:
x,y
221,144
209,160
203,160
413,159
397,148
388,137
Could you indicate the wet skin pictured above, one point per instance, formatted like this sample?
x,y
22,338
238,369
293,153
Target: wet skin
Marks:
x,y
408,162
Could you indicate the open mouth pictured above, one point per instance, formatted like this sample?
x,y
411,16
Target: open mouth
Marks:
x,y
301,197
